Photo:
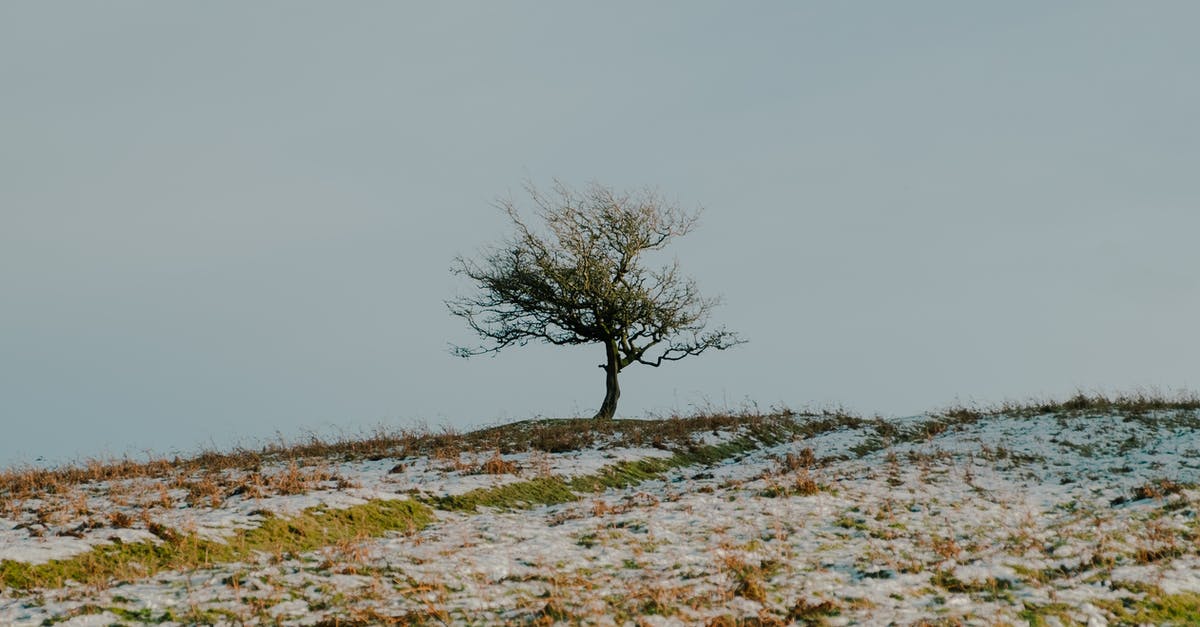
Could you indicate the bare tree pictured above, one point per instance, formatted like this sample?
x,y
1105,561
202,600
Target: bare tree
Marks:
x,y
581,280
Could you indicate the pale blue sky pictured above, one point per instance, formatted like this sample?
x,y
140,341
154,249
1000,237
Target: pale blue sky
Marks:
x,y
223,220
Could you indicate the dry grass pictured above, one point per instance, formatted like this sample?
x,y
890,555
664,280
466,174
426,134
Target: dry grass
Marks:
x,y
550,436
1158,489
496,465
182,549
211,476
753,568
298,480
793,462
65,507
32,482
1139,403
57,501
946,548
638,500
812,611
805,484
748,580
205,493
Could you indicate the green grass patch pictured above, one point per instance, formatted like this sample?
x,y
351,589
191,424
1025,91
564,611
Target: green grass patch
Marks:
x,y
1040,615
553,490
854,524
518,495
1155,608
311,529
989,590
146,616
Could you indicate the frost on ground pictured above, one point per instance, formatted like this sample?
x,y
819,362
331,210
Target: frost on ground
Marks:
x,y
1049,518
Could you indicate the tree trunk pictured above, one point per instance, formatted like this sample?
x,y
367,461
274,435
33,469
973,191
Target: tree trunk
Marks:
x,y
611,390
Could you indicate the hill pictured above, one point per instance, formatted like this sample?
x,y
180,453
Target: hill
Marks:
x,y
1075,512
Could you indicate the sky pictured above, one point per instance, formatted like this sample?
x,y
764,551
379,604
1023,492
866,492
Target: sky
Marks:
x,y
225,223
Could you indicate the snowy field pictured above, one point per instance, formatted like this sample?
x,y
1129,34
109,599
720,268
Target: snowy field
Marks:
x,y
996,520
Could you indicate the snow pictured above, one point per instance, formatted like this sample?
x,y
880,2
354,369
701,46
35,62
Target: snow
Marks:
x,y
953,526
18,546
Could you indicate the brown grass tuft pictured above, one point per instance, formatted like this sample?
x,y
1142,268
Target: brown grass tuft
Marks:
x,y
496,465
748,579
1158,488
805,485
803,460
120,520
805,610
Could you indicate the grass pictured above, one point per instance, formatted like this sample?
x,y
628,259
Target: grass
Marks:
x,y
206,486
140,489
813,612
311,529
319,527
370,617
991,589
280,469
554,490
519,495
146,616
748,580
1138,404
1153,408
547,435
1041,615
561,435
1155,608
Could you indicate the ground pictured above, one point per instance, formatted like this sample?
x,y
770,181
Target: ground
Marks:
x,y
1081,512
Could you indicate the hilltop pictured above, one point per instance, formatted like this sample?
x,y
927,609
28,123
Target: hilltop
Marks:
x,y
1074,512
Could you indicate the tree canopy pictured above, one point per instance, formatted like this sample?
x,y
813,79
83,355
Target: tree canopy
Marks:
x,y
582,280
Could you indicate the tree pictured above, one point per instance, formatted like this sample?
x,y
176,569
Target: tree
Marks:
x,y
582,280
